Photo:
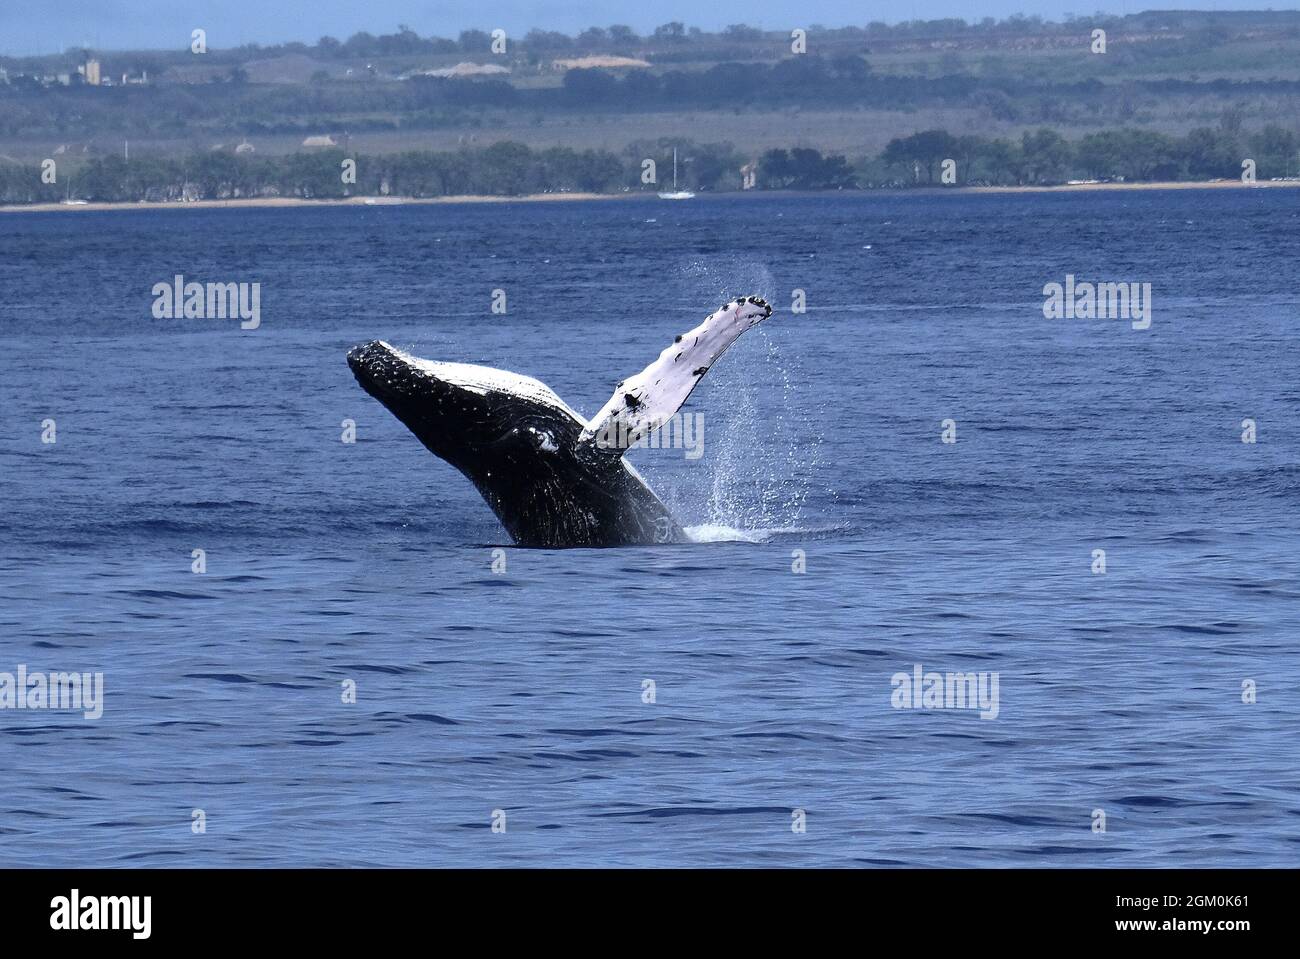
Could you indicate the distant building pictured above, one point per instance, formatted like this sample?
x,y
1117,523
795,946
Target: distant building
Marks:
x,y
467,69
245,147
602,62
321,141
91,72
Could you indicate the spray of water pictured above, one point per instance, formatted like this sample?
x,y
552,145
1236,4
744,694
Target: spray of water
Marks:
x,y
762,453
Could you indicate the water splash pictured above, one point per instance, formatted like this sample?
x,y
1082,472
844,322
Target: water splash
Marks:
x,y
714,533
763,445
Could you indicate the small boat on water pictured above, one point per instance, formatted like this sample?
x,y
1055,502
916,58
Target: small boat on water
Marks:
x,y
676,194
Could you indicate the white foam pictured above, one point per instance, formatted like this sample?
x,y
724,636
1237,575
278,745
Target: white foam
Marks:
x,y
718,533
722,533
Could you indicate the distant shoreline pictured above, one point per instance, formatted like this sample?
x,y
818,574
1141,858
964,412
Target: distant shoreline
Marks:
x,y
1141,185
272,202
249,203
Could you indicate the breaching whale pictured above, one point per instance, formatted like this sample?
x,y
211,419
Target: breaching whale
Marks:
x,y
553,478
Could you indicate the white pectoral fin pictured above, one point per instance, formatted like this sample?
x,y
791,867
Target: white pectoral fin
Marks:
x,y
647,401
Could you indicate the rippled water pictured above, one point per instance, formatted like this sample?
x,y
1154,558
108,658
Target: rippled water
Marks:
x,y
523,691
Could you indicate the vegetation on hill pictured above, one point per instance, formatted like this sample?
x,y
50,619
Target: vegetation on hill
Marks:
x,y
1021,71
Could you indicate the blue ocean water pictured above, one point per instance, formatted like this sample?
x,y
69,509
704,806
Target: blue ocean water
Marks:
x,y
521,693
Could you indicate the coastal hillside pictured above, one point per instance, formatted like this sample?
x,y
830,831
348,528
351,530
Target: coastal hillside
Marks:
x,y
1151,96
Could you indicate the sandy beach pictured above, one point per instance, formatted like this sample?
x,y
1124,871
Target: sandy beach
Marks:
x,y
1153,185
267,202
367,201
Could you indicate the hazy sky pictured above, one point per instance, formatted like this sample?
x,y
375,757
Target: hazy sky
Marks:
x,y
46,26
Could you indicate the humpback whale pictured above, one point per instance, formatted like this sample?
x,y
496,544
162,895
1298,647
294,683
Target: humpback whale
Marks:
x,y
553,478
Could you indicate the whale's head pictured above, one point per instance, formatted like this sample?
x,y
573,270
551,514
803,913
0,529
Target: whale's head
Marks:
x,y
477,418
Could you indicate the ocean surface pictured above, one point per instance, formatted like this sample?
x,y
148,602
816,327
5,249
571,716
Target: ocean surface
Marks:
x,y
519,698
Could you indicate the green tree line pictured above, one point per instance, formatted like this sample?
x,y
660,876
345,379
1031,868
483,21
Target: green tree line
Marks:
x,y
1044,156
1200,29
1041,156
